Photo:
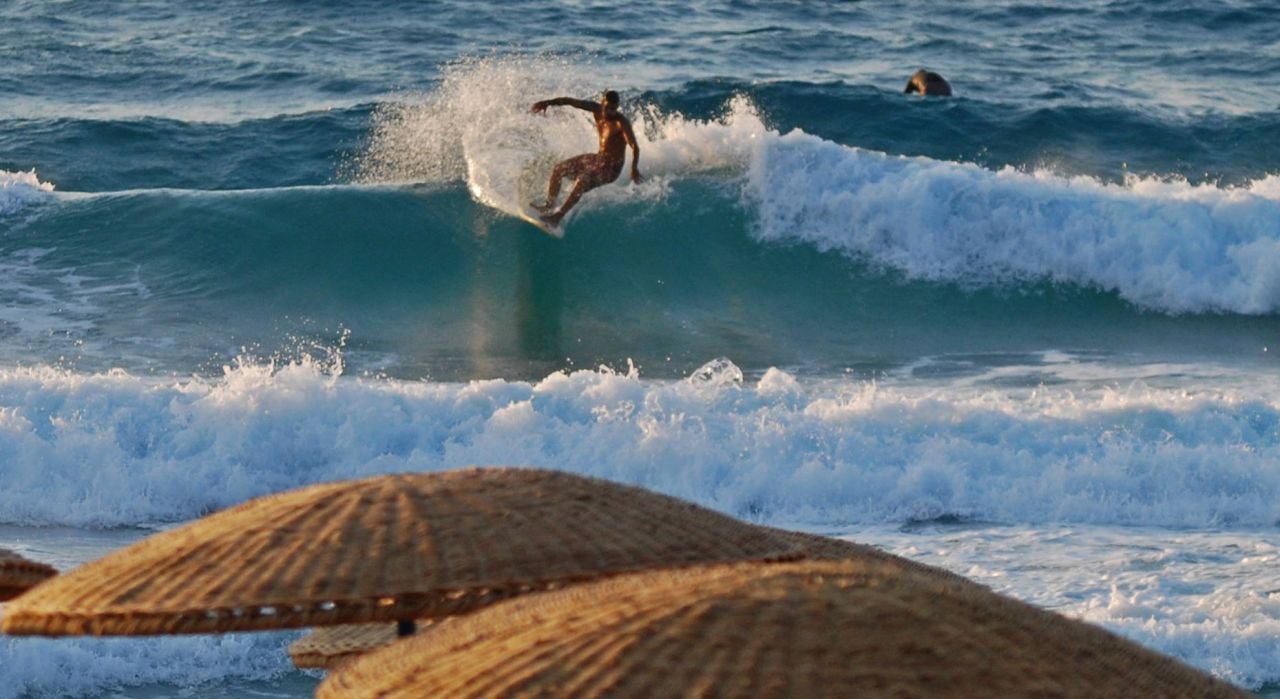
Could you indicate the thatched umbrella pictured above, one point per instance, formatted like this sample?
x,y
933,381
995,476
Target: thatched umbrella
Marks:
x,y
17,574
852,628
397,547
327,647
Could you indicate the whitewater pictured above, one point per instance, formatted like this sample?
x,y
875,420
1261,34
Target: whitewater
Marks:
x,y
1027,334
822,452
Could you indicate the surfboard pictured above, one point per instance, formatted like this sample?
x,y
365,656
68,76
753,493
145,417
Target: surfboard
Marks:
x,y
530,217
529,184
508,168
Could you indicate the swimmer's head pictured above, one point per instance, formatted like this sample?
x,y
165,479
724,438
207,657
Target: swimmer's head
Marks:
x,y
609,99
928,83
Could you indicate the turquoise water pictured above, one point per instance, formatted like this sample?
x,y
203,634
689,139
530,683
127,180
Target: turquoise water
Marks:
x,y
249,246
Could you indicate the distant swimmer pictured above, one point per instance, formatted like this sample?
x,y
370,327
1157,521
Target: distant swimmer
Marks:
x,y
591,170
928,83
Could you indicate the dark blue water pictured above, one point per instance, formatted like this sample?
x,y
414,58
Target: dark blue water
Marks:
x,y
246,246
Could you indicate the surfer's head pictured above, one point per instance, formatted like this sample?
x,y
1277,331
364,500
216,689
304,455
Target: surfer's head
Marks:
x,y
609,99
928,83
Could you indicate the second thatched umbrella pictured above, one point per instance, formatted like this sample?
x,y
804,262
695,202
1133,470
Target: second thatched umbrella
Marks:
x,y
397,547
852,628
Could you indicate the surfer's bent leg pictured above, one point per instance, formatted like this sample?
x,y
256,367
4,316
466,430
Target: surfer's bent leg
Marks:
x,y
572,168
598,174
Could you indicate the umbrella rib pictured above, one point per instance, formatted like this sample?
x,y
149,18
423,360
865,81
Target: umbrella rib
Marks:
x,y
622,645
247,566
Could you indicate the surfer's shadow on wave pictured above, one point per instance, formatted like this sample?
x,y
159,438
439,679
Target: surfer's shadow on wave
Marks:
x,y
517,298
539,300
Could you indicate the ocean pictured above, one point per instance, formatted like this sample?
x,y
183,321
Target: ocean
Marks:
x,y
1028,333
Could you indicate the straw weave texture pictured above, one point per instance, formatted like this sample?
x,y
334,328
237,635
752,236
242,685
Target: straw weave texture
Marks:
x,y
804,629
327,647
17,574
392,547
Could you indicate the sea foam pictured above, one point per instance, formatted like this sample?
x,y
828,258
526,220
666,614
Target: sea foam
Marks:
x,y
90,666
19,190
1206,597
476,127
1164,245
116,449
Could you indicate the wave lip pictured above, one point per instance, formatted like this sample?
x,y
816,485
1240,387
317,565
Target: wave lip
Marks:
x,y
1166,246
19,190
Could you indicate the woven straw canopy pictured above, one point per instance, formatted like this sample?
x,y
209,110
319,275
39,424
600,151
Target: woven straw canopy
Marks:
x,y
850,628
17,574
393,547
327,647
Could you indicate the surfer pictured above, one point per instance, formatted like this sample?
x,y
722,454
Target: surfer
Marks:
x,y
927,82
591,170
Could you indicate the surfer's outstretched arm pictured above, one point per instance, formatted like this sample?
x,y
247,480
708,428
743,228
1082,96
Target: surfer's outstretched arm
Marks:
x,y
539,107
635,148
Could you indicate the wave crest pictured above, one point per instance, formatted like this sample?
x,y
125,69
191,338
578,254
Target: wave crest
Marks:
x,y
476,127
19,190
1162,245
116,449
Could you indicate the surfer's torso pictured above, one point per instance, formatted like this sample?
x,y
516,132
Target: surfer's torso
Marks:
x,y
611,126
